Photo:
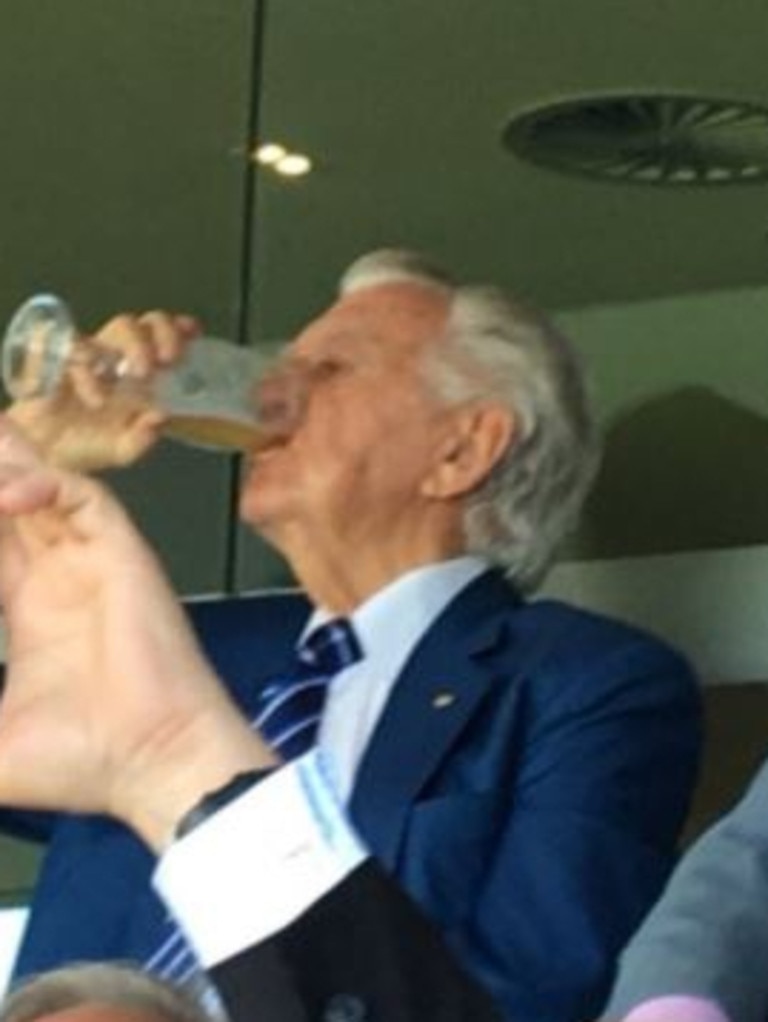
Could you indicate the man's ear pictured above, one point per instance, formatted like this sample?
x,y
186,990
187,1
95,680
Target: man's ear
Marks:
x,y
480,437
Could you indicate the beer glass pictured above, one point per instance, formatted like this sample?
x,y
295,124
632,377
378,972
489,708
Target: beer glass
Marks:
x,y
217,396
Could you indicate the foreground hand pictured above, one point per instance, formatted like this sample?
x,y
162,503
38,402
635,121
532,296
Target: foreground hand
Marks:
x,y
109,705
89,424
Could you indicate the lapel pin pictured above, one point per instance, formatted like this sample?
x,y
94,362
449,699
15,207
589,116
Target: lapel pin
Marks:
x,y
443,699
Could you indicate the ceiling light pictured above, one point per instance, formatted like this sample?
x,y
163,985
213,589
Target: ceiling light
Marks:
x,y
270,153
293,165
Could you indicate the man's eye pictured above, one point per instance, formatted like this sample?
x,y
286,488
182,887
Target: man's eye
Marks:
x,y
327,368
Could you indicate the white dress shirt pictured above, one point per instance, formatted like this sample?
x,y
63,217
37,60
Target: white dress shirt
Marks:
x,y
388,626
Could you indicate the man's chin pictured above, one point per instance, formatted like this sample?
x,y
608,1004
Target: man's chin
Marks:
x,y
259,512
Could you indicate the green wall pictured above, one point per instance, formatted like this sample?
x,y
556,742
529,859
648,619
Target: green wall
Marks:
x,y
681,386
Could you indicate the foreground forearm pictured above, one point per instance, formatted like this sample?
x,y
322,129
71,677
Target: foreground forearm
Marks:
x,y
167,781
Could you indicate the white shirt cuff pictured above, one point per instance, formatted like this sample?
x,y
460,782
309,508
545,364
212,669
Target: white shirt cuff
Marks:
x,y
259,862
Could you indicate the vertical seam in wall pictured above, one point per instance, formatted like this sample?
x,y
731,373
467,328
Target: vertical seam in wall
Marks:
x,y
243,307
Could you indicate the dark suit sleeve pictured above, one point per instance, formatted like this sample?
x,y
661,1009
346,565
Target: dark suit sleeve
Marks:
x,y
363,953
707,937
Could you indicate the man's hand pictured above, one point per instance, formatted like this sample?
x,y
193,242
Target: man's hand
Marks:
x,y
109,705
89,423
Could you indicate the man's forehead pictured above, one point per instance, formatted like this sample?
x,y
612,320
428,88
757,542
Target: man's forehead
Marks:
x,y
402,309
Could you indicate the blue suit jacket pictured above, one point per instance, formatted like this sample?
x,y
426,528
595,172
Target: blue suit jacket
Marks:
x,y
534,815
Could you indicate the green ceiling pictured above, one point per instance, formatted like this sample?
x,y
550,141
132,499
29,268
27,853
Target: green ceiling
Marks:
x,y
402,103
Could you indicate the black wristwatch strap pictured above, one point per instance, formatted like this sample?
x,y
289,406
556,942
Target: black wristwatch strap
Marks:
x,y
215,800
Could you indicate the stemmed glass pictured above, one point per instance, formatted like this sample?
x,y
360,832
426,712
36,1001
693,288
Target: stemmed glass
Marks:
x,y
219,395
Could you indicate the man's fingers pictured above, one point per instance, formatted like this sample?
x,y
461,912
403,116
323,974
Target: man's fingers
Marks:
x,y
130,338
148,340
141,434
170,334
88,388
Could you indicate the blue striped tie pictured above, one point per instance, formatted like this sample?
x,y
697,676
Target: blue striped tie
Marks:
x,y
292,706
288,720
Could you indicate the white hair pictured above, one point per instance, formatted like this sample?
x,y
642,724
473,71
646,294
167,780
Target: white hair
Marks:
x,y
499,348
107,984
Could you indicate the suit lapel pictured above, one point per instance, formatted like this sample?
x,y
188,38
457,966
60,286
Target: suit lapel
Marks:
x,y
437,693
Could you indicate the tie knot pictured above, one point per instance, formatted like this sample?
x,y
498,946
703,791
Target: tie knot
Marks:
x,y
330,647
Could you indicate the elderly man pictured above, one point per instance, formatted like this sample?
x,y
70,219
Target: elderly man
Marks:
x,y
522,768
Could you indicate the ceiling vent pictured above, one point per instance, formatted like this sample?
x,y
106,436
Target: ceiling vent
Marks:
x,y
647,139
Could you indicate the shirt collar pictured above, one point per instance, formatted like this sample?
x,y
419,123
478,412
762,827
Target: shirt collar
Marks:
x,y
397,615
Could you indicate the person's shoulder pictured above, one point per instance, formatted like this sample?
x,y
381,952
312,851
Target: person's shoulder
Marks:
x,y
552,630
577,634
579,662
565,615
283,607
243,635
